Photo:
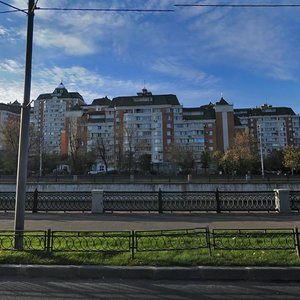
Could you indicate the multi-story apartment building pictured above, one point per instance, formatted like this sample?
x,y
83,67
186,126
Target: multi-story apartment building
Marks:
x,y
209,127
50,116
129,126
154,124
100,130
275,127
134,125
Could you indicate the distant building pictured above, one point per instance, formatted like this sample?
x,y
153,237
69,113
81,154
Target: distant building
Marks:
x,y
50,116
127,127
278,127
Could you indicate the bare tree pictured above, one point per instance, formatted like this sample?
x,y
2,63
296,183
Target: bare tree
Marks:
x,y
77,137
10,141
102,150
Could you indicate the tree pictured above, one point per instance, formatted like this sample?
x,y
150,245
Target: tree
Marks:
x,y
205,159
77,137
10,140
145,162
134,147
274,160
242,156
130,149
183,157
102,150
216,158
292,158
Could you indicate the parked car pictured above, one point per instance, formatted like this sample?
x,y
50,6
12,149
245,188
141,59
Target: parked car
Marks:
x,y
95,172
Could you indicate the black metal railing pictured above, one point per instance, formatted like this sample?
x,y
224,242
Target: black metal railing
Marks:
x,y
189,201
149,241
246,201
254,239
32,240
49,201
91,241
156,201
131,201
170,240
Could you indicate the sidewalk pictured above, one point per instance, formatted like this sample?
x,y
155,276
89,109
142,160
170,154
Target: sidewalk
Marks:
x,y
150,221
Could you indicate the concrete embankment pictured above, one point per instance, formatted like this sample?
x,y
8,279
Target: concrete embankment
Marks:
x,y
150,187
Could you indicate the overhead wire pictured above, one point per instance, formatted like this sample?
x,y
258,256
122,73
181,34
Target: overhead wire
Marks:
x,y
270,5
14,7
246,5
105,9
9,11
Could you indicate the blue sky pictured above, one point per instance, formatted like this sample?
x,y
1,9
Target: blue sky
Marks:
x,y
249,55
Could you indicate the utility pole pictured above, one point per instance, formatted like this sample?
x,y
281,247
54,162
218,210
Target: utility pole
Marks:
x,y
24,135
261,152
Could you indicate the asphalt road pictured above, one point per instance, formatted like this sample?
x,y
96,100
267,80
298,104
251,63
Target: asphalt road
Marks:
x,y
149,221
26,288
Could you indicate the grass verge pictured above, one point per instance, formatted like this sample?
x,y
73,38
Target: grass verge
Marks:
x,y
166,258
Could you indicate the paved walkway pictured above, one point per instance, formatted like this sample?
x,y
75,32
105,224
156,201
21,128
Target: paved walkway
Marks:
x,y
150,221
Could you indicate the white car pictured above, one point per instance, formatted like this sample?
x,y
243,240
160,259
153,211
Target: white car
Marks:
x,y
95,172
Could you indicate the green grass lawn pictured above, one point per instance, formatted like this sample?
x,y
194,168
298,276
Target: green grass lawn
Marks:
x,y
164,258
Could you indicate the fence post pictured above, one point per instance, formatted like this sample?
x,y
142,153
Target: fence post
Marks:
x,y
159,201
282,200
35,201
132,244
48,244
97,201
208,241
218,208
297,241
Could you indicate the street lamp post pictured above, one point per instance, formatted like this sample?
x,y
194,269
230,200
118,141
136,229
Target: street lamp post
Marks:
x,y
261,152
24,136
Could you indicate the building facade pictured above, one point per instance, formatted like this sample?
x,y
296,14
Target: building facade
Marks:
x,y
274,127
128,127
50,116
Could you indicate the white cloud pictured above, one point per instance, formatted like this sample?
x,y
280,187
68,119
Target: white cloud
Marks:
x,y
3,31
172,68
71,44
252,40
89,84
11,90
12,66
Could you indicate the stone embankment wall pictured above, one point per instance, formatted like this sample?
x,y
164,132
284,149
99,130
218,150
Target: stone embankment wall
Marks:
x,y
172,187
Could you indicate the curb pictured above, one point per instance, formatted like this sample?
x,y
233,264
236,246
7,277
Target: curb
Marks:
x,y
154,273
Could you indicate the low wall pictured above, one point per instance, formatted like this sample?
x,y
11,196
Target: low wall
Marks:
x,y
169,187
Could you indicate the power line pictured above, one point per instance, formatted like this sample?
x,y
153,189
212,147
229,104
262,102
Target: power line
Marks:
x,y
14,7
9,11
105,9
239,5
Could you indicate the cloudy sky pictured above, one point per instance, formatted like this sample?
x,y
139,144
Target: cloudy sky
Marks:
x,y
249,55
